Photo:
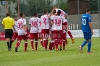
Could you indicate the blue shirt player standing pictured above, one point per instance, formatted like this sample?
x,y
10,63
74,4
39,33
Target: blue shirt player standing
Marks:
x,y
87,29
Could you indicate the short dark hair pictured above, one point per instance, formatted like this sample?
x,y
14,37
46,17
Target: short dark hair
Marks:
x,y
7,14
35,14
39,15
58,12
88,9
54,11
21,14
45,12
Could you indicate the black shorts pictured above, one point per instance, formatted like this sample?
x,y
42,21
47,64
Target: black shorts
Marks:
x,y
8,33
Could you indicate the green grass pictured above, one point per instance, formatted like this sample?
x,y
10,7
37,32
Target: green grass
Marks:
x,y
69,57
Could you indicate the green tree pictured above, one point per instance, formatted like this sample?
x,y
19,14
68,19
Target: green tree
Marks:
x,y
23,8
9,1
39,6
62,4
94,5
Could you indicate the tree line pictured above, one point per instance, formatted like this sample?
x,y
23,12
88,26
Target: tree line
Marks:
x,y
31,6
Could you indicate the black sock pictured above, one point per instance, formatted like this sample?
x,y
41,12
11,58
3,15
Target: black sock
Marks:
x,y
8,45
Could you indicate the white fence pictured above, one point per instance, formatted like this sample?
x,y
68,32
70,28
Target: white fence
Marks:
x,y
78,33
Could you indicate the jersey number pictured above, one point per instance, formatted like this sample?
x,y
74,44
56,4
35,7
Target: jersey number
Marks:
x,y
44,21
20,25
34,24
83,21
57,22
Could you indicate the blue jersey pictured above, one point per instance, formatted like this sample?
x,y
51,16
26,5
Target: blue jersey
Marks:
x,y
86,18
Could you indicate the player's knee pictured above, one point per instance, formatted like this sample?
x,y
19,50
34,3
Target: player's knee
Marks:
x,y
7,39
89,40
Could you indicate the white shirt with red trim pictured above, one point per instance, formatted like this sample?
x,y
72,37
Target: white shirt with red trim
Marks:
x,y
20,23
45,22
34,25
57,23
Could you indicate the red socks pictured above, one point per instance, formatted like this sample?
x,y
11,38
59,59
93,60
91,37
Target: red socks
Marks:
x,y
50,46
56,44
45,42
25,46
41,41
61,42
70,34
64,44
36,45
32,44
17,44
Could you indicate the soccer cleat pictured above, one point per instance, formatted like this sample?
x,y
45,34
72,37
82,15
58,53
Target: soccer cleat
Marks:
x,y
16,49
25,51
90,52
32,49
60,48
81,49
8,49
57,49
36,49
73,40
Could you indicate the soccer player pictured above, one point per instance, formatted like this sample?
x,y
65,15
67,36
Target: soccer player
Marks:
x,y
39,30
87,29
8,24
15,34
22,32
52,42
45,28
34,30
64,35
64,15
62,12
57,29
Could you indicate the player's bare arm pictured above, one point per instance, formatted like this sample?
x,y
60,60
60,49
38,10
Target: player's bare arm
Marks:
x,y
25,28
90,25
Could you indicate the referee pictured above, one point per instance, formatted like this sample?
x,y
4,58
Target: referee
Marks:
x,y
8,24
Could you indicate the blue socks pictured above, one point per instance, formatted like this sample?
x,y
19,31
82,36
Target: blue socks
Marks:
x,y
84,43
89,46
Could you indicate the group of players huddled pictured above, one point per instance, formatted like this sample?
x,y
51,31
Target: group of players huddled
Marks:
x,y
43,27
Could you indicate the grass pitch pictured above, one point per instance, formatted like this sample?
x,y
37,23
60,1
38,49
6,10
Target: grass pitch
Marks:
x,y
69,57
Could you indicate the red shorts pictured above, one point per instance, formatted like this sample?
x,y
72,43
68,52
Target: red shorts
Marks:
x,y
40,36
65,26
64,36
15,35
20,37
33,35
45,33
56,34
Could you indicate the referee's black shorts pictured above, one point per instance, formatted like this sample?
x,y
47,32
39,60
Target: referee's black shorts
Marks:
x,y
8,33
